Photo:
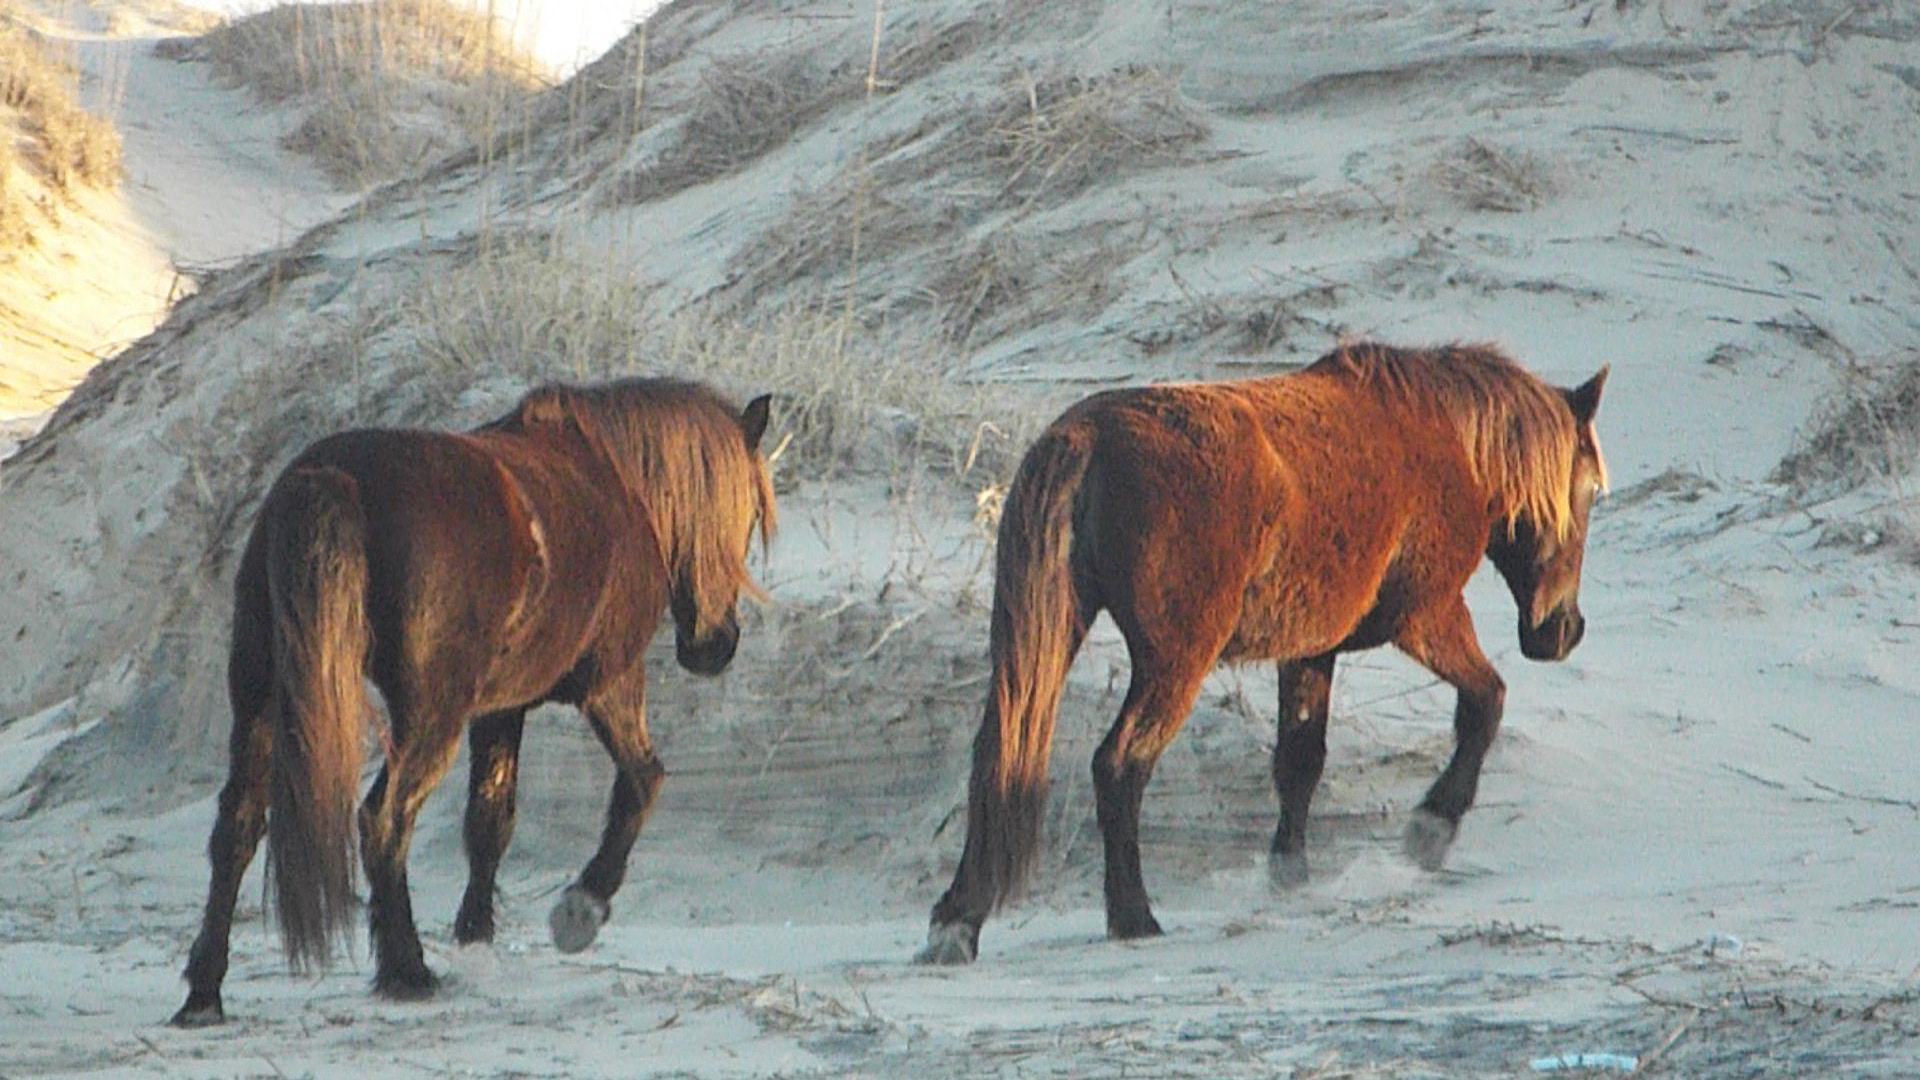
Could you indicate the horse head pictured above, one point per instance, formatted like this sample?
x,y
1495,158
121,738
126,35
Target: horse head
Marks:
x,y
706,590
1540,561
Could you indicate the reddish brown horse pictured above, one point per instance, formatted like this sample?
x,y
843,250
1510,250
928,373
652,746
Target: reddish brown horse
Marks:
x,y
1289,519
472,577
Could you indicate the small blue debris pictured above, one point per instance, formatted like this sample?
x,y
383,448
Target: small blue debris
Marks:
x,y
1625,1063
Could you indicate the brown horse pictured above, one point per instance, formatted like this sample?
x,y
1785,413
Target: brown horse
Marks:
x,y
471,577
1289,519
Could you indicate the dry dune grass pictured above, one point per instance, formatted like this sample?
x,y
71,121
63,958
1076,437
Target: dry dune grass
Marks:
x,y
13,212
387,85
1043,143
1005,283
1055,138
744,106
1482,176
1869,430
44,130
1866,434
813,241
849,398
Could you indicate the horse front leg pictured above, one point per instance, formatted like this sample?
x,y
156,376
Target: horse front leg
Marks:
x,y
493,746
1445,643
1299,755
619,719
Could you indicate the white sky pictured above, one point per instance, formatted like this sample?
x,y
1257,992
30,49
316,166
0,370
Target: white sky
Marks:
x,y
564,33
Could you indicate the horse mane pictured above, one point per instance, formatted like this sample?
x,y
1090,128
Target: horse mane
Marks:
x,y
1517,431
679,447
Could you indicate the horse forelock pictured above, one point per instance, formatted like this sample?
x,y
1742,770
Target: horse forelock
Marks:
x,y
1517,432
678,448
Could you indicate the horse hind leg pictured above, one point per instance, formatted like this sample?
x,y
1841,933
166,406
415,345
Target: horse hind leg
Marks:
x,y
424,745
619,720
1158,701
1299,754
493,744
241,820
1447,646
237,830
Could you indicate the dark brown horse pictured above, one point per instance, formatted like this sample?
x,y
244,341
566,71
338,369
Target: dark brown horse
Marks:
x,y
471,577
1289,519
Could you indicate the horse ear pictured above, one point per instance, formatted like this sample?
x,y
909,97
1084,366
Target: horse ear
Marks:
x,y
753,419
1584,400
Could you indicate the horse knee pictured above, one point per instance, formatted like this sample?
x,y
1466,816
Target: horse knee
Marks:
x,y
648,775
1114,772
1477,717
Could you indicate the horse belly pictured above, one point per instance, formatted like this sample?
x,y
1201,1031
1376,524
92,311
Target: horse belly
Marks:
x,y
1281,621
1309,606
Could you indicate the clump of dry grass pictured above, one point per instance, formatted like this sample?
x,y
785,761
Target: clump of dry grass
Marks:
x,y
932,51
745,106
386,85
846,398
1047,141
39,95
813,241
1057,137
1002,284
878,198
522,304
1245,324
1868,430
1481,176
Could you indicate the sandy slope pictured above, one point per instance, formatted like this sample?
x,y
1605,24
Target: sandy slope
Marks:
x,y
206,184
1694,835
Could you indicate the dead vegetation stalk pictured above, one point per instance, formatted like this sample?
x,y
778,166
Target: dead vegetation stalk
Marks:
x,y
865,180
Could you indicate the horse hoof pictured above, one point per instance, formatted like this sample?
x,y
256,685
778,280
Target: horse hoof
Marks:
x,y
576,920
472,928
417,985
1287,872
199,1014
1133,929
1428,837
949,945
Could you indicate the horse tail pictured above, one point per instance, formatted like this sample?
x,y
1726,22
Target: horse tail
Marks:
x,y
317,584
1037,625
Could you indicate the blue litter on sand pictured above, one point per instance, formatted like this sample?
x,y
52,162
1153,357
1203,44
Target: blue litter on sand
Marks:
x,y
1616,1062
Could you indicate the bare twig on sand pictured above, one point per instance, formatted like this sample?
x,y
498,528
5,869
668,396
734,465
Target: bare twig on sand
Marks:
x,y
1651,1060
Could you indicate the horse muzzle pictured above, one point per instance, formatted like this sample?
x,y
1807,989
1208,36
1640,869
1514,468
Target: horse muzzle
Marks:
x,y
711,654
1554,636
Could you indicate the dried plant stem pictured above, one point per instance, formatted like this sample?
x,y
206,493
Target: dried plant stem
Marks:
x,y
860,193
